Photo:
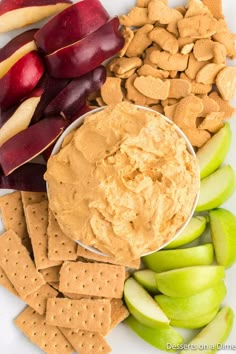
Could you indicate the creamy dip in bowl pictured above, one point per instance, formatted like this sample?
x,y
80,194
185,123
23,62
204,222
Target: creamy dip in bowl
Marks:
x,y
123,180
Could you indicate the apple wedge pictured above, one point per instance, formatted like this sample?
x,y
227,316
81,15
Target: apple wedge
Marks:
x,y
216,188
15,50
21,118
21,13
187,308
146,278
29,143
214,152
28,177
191,232
162,261
197,321
142,306
20,80
88,53
71,99
190,280
223,233
211,338
164,339
71,25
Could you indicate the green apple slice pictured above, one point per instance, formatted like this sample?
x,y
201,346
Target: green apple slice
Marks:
x,y
196,322
163,339
223,233
193,230
162,261
214,152
210,339
190,280
187,308
216,188
142,306
147,279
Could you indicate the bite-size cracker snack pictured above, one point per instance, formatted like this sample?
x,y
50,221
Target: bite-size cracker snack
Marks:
x,y
226,82
18,266
152,87
51,274
224,105
13,216
215,6
85,314
140,42
60,247
94,279
86,342
37,223
111,91
48,338
5,282
38,299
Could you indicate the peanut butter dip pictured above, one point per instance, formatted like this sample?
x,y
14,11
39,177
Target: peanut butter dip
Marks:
x,y
124,182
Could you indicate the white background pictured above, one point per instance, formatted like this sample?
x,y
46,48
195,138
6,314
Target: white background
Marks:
x,y
122,339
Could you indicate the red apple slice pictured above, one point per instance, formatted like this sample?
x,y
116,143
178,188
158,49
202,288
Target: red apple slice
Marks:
x,y
51,88
21,118
85,55
28,177
20,80
29,143
83,110
71,25
15,50
72,98
20,13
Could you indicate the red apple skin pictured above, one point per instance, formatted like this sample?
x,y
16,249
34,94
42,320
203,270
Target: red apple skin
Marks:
x,y
9,5
16,43
29,143
85,55
71,25
51,88
20,80
71,99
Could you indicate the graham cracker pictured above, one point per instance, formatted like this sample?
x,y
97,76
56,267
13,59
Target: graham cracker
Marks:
x,y
38,299
32,198
13,217
51,274
18,266
85,314
96,279
86,342
60,247
54,284
119,313
83,252
48,338
5,282
37,223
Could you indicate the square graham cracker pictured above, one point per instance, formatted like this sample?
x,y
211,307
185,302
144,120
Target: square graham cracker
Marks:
x,y
38,299
85,314
60,247
86,342
96,279
48,338
13,217
18,266
37,223
83,252
51,274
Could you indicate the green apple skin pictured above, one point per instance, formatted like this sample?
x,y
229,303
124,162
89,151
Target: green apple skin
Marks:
x,y
159,338
162,261
187,308
147,279
216,188
223,233
196,322
142,306
190,280
214,152
191,232
213,335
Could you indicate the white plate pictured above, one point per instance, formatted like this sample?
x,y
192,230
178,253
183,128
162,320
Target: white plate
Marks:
x,y
122,339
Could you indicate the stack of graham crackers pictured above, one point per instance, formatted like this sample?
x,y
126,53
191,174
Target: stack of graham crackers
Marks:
x,y
74,296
